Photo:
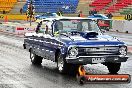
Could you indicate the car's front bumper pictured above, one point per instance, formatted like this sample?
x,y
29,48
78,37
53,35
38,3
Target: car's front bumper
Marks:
x,y
89,59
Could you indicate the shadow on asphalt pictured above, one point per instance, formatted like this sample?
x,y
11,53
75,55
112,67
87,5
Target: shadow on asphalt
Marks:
x,y
52,75
48,72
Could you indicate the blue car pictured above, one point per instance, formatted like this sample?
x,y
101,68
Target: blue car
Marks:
x,y
98,16
75,41
46,15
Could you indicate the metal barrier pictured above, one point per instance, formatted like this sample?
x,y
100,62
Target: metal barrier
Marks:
x,y
16,29
122,26
13,17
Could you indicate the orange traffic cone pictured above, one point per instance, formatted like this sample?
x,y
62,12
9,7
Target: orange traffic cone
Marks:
x,y
6,19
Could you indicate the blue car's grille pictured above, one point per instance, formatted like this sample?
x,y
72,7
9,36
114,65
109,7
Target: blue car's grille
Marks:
x,y
98,50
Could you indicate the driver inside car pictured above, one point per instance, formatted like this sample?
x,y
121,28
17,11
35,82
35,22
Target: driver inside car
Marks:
x,y
58,27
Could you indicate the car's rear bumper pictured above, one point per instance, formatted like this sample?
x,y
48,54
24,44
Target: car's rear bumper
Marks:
x,y
90,59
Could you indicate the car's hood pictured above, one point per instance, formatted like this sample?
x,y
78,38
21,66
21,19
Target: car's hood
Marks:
x,y
98,40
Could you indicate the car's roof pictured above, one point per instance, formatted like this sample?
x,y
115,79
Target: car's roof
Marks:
x,y
66,18
61,18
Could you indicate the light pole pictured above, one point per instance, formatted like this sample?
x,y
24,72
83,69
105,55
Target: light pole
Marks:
x,y
31,11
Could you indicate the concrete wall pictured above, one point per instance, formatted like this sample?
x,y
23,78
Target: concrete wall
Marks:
x,y
122,26
16,29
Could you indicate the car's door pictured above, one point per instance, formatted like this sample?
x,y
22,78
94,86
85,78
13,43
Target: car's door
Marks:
x,y
38,44
48,47
47,42
42,46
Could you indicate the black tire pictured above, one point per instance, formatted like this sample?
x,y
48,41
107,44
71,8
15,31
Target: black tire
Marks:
x,y
81,80
62,65
35,59
113,67
73,69
66,68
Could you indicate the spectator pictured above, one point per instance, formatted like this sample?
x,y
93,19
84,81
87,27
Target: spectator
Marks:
x,y
90,12
46,29
59,13
109,15
4,12
80,14
38,27
21,11
95,12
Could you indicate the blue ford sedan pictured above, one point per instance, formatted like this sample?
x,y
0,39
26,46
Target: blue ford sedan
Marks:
x,y
74,41
46,15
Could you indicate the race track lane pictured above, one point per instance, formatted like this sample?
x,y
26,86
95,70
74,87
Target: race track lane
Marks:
x,y
16,70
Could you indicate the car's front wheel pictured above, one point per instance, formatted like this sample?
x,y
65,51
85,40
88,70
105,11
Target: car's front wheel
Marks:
x,y
62,65
113,67
35,59
66,68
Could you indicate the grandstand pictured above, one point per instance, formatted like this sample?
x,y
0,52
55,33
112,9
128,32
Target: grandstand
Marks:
x,y
67,6
126,11
7,5
99,4
117,7
113,6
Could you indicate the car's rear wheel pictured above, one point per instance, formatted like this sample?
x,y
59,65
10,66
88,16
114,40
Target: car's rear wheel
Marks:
x,y
35,59
113,67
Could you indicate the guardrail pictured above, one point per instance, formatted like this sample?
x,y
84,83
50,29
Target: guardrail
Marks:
x,y
16,29
13,17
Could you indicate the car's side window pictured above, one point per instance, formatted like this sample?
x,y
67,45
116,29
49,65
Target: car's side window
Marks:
x,y
79,26
48,30
58,26
42,28
85,26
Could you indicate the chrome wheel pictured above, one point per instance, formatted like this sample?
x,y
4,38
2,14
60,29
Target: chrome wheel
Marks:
x,y
60,64
32,56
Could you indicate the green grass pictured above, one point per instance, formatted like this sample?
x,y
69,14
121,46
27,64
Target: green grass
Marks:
x,y
126,11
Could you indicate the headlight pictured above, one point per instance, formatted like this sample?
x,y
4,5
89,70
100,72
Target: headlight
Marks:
x,y
123,50
73,52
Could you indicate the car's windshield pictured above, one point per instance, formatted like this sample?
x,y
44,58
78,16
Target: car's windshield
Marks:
x,y
69,25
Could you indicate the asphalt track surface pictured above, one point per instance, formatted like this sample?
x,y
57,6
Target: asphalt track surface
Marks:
x,y
16,70
127,38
